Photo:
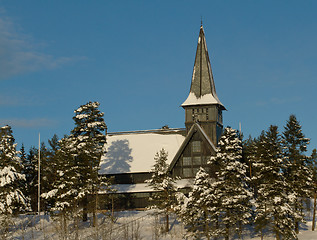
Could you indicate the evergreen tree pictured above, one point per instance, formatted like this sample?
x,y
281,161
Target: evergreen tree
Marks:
x,y
12,199
31,174
198,211
162,184
234,209
273,202
248,152
65,190
24,165
46,175
297,172
89,139
313,168
48,169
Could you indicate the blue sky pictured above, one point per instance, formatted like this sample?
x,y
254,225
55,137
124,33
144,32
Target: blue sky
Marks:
x,y
136,58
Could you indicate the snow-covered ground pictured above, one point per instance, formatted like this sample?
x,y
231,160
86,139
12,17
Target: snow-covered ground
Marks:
x,y
128,225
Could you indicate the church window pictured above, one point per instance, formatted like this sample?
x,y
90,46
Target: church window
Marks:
x,y
187,172
187,161
141,195
195,170
196,146
197,160
219,116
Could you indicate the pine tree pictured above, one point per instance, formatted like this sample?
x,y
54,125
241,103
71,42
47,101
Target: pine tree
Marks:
x,y
162,184
65,190
48,169
249,148
46,175
198,211
297,171
231,183
12,199
31,174
313,168
24,166
273,202
89,140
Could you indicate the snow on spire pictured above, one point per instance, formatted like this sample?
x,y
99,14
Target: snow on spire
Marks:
x,y
202,90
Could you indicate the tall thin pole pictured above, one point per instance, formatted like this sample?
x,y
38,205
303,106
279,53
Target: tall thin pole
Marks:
x,y
39,178
240,127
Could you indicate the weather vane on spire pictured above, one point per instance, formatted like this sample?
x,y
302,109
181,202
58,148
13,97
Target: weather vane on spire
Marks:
x,y
201,20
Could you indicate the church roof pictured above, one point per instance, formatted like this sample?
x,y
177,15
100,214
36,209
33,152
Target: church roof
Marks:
x,y
202,90
134,151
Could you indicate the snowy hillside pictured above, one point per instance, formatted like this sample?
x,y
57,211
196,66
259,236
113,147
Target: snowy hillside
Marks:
x,y
128,225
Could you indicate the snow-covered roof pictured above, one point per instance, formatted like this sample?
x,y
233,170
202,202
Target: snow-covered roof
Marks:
x,y
135,151
202,100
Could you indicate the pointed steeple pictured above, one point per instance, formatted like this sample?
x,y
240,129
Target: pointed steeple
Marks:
x,y
202,90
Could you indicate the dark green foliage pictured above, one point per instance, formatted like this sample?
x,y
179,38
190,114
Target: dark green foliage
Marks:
x,y
31,175
75,163
297,172
199,211
230,185
24,167
313,167
162,184
273,203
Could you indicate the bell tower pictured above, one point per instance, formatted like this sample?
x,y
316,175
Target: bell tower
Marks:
x,y
202,104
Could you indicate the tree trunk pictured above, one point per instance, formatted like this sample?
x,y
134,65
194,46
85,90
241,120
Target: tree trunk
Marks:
x,y
296,221
206,226
85,204
167,223
95,219
217,227
112,207
65,226
314,212
297,227
76,228
227,232
250,166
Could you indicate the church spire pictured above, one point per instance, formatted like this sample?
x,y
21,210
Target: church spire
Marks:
x,y
202,90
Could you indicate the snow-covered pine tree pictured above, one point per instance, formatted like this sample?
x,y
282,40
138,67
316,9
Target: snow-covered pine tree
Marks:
x,y
65,190
47,175
297,172
48,169
198,211
273,202
313,168
89,139
24,165
249,150
234,209
31,171
12,199
163,185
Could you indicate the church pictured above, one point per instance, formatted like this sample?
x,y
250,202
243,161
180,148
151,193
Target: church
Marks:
x,y
130,155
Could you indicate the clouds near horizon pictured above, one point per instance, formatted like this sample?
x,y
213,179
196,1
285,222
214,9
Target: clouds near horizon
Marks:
x,y
28,123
